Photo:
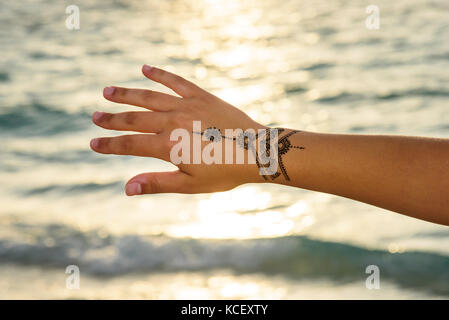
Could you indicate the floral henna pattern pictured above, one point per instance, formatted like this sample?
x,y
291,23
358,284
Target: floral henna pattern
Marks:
x,y
246,140
284,146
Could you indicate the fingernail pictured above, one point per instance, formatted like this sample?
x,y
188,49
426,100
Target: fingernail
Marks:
x,y
108,91
133,189
98,115
94,143
147,67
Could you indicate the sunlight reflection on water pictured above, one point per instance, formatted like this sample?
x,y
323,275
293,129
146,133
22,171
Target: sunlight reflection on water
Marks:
x,y
310,65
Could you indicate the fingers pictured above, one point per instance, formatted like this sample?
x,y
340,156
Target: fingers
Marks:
x,y
159,182
178,84
144,145
139,121
149,99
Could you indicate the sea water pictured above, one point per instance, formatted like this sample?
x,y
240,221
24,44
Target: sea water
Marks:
x,y
310,65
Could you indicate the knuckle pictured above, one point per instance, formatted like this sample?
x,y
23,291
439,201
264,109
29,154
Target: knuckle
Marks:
x,y
121,92
168,144
154,184
129,118
208,98
106,119
191,104
157,73
166,147
182,83
147,94
123,144
178,79
176,121
187,186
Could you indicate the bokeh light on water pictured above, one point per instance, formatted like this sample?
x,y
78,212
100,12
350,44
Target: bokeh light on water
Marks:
x,y
310,65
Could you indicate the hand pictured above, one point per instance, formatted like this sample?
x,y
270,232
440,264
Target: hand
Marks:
x,y
166,113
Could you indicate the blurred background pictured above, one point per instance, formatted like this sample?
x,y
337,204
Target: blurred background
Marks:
x,y
307,64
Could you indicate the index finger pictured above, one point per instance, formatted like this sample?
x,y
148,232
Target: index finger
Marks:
x,y
177,83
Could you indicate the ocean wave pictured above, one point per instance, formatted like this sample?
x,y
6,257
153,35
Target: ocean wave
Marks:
x,y
378,63
74,188
416,92
296,257
66,157
17,160
40,55
73,156
341,97
392,95
37,119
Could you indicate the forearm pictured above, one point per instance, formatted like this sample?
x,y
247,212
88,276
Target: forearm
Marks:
x,y
409,175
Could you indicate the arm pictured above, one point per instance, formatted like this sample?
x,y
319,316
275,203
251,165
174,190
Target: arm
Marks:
x,y
408,175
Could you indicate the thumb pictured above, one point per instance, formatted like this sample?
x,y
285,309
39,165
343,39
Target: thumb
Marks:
x,y
158,182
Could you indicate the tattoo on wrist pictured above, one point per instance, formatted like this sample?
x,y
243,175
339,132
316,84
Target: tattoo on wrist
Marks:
x,y
246,140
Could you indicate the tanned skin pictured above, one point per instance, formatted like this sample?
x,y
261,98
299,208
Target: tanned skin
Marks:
x,y
408,175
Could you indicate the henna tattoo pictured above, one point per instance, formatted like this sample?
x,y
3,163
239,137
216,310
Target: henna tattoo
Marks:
x,y
284,145
246,140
